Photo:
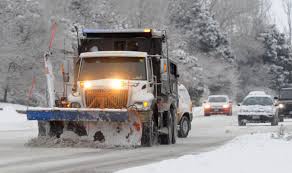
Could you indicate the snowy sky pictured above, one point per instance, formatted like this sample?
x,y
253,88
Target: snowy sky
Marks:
x,y
278,15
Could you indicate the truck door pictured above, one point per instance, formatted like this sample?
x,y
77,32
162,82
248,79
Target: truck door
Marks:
x,y
173,80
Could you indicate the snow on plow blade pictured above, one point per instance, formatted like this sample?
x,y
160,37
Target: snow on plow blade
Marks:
x,y
105,128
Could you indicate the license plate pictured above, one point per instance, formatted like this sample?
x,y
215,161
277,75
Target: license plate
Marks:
x,y
255,117
216,110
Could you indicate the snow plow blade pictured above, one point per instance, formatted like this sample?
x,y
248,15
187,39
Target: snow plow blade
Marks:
x,y
60,114
106,128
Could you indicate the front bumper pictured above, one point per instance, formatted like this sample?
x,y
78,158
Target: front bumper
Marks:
x,y
256,118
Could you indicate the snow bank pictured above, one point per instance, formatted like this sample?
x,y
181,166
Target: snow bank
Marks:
x,y
11,120
245,154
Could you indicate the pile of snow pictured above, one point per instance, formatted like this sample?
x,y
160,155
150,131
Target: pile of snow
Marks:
x,y
245,154
11,120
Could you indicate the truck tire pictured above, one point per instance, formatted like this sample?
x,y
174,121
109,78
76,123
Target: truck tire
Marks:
x,y
184,127
149,133
43,128
174,126
166,139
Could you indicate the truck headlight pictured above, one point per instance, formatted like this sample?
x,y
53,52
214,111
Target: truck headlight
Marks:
x,y
87,85
281,106
116,84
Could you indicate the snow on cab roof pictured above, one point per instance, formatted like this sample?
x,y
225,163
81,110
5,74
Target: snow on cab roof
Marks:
x,y
112,53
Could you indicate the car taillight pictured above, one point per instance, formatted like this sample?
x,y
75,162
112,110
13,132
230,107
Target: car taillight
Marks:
x,y
226,106
207,106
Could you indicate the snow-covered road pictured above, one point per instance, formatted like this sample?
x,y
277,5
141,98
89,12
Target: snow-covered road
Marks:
x,y
207,134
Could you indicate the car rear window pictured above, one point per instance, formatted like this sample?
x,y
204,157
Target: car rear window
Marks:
x,y
217,99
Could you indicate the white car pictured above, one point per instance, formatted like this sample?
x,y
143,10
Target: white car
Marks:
x,y
184,112
257,108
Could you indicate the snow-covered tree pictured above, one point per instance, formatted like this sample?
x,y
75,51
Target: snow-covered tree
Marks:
x,y
200,28
279,55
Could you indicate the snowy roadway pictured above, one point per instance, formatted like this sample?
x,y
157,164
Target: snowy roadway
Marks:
x,y
208,133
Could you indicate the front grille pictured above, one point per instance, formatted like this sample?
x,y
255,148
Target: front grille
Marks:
x,y
106,98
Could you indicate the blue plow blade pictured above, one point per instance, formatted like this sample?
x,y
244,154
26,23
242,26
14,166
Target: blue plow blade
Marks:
x,y
78,115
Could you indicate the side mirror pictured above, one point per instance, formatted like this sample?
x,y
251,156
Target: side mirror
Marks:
x,y
238,104
276,98
165,88
205,102
65,71
177,75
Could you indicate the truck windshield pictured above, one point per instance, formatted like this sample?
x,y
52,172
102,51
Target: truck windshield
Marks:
x,y
286,94
132,68
263,101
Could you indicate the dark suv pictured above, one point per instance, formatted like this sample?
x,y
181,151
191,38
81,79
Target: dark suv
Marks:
x,y
284,103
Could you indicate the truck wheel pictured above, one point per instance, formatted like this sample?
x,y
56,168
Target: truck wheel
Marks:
x,y
166,139
174,126
149,133
43,128
184,127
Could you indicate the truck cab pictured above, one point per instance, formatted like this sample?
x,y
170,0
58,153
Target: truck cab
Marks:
x,y
128,70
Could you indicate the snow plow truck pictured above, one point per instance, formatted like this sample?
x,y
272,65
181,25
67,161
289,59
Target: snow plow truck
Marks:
x,y
124,90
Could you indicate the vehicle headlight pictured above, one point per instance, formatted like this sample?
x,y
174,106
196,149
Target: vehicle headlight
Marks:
x,y
87,85
225,106
75,105
116,84
281,106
